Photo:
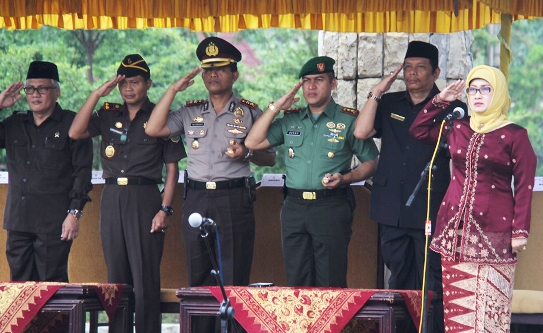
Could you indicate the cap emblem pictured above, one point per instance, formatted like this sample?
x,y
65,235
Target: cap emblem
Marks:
x,y
321,66
212,50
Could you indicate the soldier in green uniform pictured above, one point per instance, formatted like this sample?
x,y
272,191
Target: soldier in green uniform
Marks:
x,y
317,213
134,214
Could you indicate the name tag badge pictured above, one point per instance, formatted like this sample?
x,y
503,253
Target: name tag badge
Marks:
x,y
397,117
294,133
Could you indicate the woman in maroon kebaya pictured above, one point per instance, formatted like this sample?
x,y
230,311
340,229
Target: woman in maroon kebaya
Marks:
x,y
484,219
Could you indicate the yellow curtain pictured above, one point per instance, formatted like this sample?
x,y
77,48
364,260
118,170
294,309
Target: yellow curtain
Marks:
x,y
233,15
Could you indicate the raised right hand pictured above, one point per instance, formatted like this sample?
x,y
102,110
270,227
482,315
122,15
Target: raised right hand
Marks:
x,y
11,95
186,81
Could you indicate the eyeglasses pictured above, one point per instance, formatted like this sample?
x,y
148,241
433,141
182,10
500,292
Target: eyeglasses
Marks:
x,y
484,90
41,90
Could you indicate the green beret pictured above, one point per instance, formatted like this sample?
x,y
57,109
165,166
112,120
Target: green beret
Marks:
x,y
134,65
42,70
318,65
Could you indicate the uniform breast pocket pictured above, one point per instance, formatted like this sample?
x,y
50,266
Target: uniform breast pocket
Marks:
x,y
332,150
53,154
17,148
196,137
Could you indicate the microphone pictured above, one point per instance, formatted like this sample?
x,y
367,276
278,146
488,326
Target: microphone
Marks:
x,y
457,113
196,220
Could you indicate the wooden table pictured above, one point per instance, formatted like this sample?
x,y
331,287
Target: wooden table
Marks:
x,y
387,308
79,299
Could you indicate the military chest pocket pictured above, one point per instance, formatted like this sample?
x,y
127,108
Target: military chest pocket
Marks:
x,y
145,140
195,137
294,139
333,148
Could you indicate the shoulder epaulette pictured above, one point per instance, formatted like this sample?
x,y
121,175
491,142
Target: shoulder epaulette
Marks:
x,y
292,110
194,102
112,106
248,103
351,111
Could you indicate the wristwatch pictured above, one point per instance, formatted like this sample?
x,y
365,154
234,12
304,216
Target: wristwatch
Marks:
x,y
167,209
76,213
374,97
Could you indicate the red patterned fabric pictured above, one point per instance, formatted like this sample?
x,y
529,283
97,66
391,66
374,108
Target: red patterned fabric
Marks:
x,y
21,301
109,295
283,309
48,322
477,297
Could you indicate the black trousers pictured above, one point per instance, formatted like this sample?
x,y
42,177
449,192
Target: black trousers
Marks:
x,y
403,253
132,252
37,257
316,236
232,211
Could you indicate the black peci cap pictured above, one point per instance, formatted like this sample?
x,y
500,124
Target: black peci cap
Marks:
x,y
418,49
42,70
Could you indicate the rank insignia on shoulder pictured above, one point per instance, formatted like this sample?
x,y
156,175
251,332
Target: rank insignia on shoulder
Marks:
x,y
248,103
108,106
194,102
176,139
292,110
351,111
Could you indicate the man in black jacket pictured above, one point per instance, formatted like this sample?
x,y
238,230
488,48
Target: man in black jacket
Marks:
x,y
49,178
401,161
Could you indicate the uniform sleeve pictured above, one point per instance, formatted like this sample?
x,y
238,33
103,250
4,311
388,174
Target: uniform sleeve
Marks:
x,y
524,165
94,125
275,133
174,150
175,122
256,114
424,128
364,150
82,166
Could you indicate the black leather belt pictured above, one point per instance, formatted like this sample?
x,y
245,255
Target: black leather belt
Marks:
x,y
130,181
220,185
316,194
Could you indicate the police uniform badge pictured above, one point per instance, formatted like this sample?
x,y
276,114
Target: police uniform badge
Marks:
x,y
111,106
109,151
195,144
248,103
57,134
118,124
238,112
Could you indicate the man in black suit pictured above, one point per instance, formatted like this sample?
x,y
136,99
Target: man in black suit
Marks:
x,y
401,161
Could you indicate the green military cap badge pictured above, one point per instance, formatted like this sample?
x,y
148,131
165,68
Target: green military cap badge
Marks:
x,y
318,65
351,111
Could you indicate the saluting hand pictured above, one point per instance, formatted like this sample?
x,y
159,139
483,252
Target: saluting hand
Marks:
x,y
186,81
11,95
107,87
288,99
384,85
452,92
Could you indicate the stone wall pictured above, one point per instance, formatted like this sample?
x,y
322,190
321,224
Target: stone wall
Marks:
x,y
362,59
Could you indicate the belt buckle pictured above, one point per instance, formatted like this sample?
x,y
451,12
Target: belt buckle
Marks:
x,y
211,186
122,181
309,195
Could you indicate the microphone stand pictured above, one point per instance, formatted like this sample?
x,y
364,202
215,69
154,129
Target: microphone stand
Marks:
x,y
423,177
226,310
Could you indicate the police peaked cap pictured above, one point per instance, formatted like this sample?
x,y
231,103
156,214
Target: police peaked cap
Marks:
x,y
216,52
